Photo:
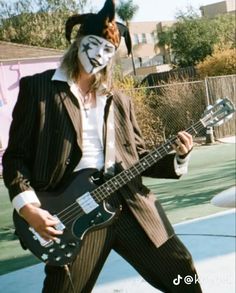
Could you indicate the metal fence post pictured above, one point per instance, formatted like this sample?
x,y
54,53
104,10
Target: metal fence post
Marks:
x,y
209,131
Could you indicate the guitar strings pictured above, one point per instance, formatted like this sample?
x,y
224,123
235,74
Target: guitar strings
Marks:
x,y
74,210
72,214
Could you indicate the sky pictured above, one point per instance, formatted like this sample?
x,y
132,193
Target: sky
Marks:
x,y
161,10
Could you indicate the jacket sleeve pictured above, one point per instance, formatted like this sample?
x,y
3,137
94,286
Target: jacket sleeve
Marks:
x,y
164,168
17,159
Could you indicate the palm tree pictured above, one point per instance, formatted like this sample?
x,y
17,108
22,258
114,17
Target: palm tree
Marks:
x,y
126,11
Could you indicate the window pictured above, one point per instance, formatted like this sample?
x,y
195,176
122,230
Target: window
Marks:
x,y
136,39
154,37
144,39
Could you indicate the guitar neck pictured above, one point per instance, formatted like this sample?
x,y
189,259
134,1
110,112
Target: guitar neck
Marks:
x,y
124,177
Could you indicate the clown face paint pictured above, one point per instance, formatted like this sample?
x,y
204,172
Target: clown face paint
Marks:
x,y
95,53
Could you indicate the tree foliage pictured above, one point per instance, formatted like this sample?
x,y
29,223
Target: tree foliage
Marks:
x,y
165,38
192,41
221,62
224,27
126,10
39,23
193,38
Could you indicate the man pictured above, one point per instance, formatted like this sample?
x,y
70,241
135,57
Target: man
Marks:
x,y
67,121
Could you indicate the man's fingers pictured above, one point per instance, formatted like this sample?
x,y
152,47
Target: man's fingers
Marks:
x,y
47,228
52,231
51,222
184,143
185,138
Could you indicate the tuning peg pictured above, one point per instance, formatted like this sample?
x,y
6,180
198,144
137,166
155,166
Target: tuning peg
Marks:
x,y
219,123
207,110
227,118
209,107
218,101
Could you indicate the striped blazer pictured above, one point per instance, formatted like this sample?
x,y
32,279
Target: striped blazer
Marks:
x,y
45,145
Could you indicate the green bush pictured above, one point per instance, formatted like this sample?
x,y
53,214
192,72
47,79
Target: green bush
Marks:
x,y
165,110
150,124
222,62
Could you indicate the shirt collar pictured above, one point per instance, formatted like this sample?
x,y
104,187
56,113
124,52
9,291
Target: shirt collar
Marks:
x,y
60,75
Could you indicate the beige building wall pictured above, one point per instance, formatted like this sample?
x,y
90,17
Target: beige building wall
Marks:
x,y
211,10
144,37
231,6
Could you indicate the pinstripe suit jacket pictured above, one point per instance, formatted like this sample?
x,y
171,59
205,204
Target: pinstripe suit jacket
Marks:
x,y
45,146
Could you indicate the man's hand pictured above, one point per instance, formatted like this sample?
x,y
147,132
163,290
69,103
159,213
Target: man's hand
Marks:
x,y
184,144
41,220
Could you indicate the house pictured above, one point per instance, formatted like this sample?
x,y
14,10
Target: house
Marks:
x,y
214,9
16,61
148,56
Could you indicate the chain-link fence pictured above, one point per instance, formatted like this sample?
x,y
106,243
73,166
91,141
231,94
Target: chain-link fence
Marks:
x,y
165,109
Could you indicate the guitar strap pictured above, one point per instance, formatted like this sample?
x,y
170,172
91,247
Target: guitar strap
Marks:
x,y
109,168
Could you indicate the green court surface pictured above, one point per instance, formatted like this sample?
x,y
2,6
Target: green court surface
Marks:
x,y
211,170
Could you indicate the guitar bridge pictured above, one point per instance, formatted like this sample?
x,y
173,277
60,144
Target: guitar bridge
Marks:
x,y
59,226
42,241
47,243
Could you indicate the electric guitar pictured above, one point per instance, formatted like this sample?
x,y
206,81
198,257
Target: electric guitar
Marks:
x,y
81,207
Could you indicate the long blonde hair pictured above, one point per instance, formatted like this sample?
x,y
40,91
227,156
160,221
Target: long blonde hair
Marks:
x,y
71,65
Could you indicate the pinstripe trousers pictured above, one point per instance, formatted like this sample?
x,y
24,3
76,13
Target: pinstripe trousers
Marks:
x,y
158,266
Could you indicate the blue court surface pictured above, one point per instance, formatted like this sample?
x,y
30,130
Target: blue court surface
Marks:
x,y
210,239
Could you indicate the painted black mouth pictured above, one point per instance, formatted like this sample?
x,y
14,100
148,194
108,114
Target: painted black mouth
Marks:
x,y
95,62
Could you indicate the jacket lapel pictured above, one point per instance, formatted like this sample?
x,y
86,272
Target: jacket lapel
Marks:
x,y
73,109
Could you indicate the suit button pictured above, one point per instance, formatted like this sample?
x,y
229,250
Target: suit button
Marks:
x,y
68,161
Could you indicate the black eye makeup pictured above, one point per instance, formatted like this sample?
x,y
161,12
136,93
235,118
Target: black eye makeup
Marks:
x,y
108,49
94,41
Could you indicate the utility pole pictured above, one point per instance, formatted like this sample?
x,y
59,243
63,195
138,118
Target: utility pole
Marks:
x,y
133,63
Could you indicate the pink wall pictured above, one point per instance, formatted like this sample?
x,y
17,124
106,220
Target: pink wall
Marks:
x,y
10,74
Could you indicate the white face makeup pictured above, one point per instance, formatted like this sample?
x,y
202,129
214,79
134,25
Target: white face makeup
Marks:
x,y
95,53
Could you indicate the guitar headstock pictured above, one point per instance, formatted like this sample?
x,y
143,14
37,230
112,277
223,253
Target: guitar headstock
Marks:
x,y
217,114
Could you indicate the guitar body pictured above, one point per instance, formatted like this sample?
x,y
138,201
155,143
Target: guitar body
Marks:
x,y
76,223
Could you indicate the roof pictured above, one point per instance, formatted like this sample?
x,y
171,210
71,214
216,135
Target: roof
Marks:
x,y
13,51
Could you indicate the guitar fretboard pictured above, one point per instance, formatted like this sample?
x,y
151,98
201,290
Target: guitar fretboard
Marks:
x,y
124,177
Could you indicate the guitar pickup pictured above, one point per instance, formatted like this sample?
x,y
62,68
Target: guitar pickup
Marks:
x,y
87,203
